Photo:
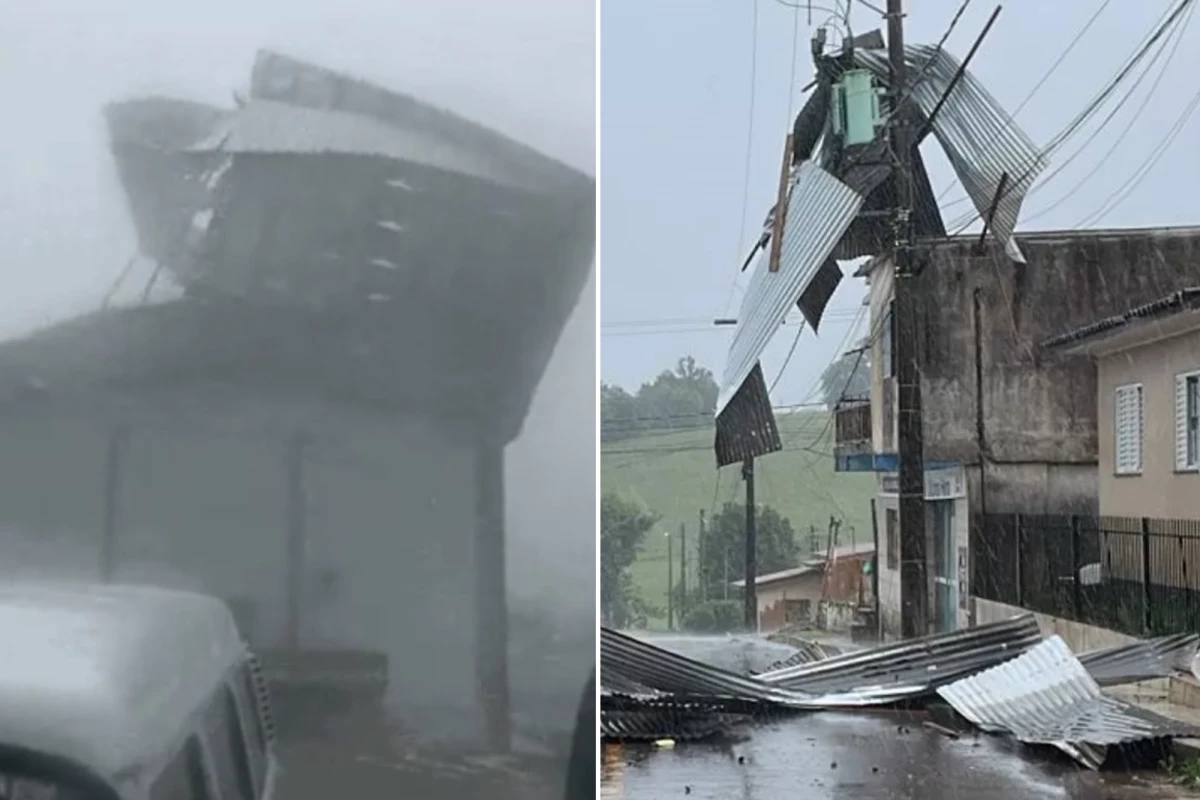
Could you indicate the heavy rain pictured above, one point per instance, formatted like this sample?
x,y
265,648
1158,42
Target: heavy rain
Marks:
x,y
297,307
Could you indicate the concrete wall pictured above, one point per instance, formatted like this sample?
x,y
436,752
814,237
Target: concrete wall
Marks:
x,y
1036,410
1078,636
391,521
1159,491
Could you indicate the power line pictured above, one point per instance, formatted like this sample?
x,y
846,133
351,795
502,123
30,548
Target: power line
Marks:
x,y
1102,162
1036,88
1122,193
1089,111
749,148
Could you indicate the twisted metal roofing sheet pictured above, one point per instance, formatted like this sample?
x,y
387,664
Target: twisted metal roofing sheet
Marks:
x,y
819,211
986,147
652,724
910,668
1145,660
628,659
267,127
1046,696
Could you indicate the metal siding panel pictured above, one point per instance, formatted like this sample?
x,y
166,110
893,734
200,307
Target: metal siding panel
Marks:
x,y
820,209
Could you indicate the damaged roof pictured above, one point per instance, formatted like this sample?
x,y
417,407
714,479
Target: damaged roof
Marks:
x,y
1177,303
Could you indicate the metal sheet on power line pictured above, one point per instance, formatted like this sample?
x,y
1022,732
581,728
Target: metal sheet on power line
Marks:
x,y
820,209
986,147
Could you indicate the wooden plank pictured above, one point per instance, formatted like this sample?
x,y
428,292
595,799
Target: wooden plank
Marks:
x,y
780,207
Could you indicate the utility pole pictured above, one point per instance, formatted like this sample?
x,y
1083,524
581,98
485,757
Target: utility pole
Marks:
x,y
683,595
914,586
751,594
670,584
701,564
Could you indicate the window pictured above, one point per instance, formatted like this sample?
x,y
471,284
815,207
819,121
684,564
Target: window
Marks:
x,y
795,611
1187,421
1130,427
183,777
887,352
227,743
892,533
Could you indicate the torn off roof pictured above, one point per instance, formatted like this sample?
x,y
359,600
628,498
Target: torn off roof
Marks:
x,y
1046,696
820,209
995,160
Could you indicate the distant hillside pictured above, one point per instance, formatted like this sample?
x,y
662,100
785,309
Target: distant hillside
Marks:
x,y
674,475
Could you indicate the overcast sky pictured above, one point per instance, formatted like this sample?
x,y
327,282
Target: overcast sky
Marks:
x,y
676,78
524,67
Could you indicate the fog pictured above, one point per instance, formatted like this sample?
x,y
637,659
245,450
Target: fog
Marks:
x,y
525,68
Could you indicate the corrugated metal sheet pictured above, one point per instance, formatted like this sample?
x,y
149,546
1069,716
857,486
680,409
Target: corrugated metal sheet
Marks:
x,y
806,653
911,668
638,662
819,292
1046,696
981,140
866,678
653,724
267,127
820,210
1140,661
746,428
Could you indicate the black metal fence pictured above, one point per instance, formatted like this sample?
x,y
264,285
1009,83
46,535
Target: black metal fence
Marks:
x,y
1139,575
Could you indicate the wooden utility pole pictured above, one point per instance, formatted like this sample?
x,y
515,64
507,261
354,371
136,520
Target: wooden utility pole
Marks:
x,y
914,585
670,584
683,595
751,593
701,564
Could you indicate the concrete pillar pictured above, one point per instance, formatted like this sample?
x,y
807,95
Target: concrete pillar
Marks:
x,y
114,463
491,598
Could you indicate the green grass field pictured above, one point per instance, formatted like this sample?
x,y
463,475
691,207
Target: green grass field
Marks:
x,y
674,475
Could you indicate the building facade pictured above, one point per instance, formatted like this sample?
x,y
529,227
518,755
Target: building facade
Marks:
x,y
1009,425
1147,406
826,592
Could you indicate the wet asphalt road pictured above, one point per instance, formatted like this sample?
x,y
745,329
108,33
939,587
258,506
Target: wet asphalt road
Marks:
x,y
856,756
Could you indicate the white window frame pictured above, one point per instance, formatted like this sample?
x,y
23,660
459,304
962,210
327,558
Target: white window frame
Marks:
x,y
1187,421
1130,392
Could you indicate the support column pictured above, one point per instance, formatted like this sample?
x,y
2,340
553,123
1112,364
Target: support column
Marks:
x,y
297,535
114,463
491,597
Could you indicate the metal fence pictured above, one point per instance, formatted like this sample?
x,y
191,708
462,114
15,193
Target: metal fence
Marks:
x,y
1139,575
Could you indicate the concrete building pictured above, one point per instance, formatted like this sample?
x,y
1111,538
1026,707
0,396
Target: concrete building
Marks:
x,y
313,427
822,590
1147,405
1008,426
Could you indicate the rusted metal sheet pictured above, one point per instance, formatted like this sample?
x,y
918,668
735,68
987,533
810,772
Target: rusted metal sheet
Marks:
x,y
746,428
820,210
1046,696
984,144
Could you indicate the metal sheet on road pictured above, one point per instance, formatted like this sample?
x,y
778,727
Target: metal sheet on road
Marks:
x,y
833,755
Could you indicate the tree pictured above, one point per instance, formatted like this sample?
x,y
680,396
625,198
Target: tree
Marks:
x,y
849,376
723,549
685,397
623,529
